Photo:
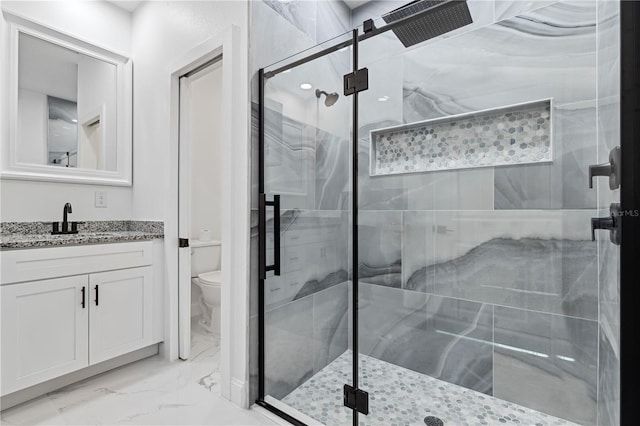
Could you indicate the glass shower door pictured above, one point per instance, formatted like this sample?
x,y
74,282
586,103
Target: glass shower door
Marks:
x,y
481,296
305,212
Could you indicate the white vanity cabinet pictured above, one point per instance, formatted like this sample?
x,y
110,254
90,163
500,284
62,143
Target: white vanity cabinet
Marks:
x,y
44,330
105,302
120,315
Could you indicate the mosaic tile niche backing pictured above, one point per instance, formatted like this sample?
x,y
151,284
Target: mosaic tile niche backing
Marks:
x,y
517,134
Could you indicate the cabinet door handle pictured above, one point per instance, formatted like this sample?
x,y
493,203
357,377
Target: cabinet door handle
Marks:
x,y
96,295
84,290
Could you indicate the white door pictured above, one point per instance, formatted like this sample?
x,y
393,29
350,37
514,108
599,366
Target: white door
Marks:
x,y
192,126
120,312
44,330
184,225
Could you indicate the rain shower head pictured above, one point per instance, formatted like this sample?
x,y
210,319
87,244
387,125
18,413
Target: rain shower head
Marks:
x,y
331,99
443,16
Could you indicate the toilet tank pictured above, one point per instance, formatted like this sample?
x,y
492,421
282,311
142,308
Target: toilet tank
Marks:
x,y
205,256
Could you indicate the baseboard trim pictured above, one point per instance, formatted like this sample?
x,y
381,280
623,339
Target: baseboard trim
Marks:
x,y
239,393
24,395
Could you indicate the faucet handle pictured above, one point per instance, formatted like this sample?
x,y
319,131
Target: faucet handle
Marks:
x,y
610,169
54,228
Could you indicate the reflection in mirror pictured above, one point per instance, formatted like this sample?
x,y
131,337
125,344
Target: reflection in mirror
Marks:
x,y
66,107
62,134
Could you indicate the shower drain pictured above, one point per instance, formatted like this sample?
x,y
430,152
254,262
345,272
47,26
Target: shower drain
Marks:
x,y
433,421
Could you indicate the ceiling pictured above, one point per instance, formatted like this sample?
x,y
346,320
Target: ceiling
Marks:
x,y
128,5
355,3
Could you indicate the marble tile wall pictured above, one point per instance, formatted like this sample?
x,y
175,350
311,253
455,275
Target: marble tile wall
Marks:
x,y
609,255
546,362
511,242
485,278
318,171
303,337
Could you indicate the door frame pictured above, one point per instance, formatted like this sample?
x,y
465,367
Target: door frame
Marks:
x,y
184,204
630,205
231,42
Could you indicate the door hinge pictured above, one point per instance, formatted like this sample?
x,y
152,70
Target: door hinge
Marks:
x,y
356,399
183,242
356,81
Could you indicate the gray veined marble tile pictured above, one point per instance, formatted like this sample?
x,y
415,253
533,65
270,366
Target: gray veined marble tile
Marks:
x,y
608,138
609,376
547,362
609,276
269,29
462,332
510,8
445,338
418,246
301,14
330,322
380,247
386,314
540,260
332,171
289,150
333,19
562,184
549,53
608,49
288,347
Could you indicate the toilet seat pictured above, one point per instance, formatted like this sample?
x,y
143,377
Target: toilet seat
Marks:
x,y
212,278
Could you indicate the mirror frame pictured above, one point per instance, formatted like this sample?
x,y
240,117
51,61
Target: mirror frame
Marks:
x,y
12,168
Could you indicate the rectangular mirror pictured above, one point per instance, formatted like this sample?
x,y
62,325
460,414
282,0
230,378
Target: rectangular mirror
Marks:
x,y
70,109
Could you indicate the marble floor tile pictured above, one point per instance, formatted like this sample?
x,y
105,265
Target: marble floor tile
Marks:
x,y
148,392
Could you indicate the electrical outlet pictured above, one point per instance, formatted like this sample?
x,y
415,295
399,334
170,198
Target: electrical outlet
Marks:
x,y
101,199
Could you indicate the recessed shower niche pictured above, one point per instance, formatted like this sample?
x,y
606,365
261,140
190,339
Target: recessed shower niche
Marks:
x,y
515,134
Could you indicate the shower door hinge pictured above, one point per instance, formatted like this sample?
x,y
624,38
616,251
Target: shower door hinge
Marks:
x,y
356,81
356,399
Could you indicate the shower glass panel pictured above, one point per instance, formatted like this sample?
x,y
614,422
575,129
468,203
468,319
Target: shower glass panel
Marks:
x,y
306,183
478,292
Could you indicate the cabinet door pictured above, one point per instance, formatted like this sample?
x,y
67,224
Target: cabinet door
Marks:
x,y
121,312
44,330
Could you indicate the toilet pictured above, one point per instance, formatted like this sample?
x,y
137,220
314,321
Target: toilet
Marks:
x,y
206,274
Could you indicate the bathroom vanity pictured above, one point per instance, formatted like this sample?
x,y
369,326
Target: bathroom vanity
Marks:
x,y
80,303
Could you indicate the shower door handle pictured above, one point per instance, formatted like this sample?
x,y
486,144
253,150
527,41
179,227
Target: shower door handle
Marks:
x,y
262,232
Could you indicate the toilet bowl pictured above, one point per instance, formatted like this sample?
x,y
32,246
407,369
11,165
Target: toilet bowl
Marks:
x,y
209,283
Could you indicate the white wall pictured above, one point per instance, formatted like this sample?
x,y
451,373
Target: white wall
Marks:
x,y
95,22
32,130
162,32
204,123
97,90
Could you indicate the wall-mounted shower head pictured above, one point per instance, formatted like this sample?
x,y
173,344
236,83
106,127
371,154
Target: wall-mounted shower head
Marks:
x,y
441,17
331,99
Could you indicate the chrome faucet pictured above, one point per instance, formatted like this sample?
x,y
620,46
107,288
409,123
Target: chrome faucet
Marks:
x,y
65,223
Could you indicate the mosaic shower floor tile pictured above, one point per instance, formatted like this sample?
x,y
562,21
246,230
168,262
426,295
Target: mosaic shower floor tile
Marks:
x,y
398,396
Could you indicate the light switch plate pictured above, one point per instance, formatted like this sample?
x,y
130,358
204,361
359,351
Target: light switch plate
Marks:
x,y
101,199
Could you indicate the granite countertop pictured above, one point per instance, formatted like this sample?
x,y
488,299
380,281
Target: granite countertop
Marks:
x,y
18,235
